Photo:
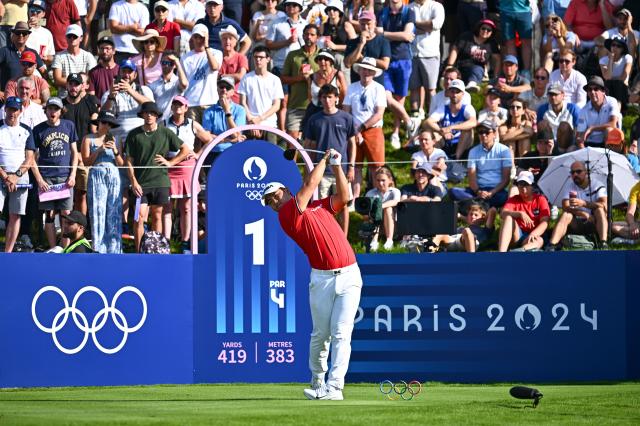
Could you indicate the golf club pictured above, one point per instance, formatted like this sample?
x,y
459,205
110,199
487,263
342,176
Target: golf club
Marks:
x,y
291,152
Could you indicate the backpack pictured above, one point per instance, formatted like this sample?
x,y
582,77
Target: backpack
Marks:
x,y
153,242
577,242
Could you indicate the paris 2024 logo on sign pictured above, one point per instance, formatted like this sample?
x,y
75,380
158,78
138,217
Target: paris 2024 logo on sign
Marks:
x,y
254,170
86,325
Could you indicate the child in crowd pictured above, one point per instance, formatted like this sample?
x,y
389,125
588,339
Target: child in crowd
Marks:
x,y
480,227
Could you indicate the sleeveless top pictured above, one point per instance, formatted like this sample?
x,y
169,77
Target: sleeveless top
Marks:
x,y
315,89
449,119
185,132
106,156
336,32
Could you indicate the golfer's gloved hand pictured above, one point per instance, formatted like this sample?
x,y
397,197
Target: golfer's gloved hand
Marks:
x,y
334,157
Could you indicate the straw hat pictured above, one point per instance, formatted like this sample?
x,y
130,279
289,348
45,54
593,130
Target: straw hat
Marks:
x,y
150,33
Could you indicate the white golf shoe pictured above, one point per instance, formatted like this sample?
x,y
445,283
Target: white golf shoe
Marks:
x,y
327,393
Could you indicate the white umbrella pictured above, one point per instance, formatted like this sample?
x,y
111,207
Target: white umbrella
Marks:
x,y
556,180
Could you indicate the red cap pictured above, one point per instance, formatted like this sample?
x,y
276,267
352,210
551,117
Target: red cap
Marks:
x,y
367,15
28,56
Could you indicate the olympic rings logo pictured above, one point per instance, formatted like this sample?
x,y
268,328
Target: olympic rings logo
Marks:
x,y
401,389
80,319
253,195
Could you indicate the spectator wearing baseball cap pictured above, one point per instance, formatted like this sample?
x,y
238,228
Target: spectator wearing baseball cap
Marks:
x,y
125,96
73,226
560,116
40,92
72,60
453,123
224,115
201,65
488,169
215,21
102,76
165,27
40,39
10,55
169,84
189,132
60,14
510,82
492,109
285,35
127,19
80,108
525,217
234,64
372,45
56,142
537,161
425,187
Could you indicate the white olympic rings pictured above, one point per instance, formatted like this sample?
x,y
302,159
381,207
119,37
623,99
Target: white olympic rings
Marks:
x,y
253,195
80,320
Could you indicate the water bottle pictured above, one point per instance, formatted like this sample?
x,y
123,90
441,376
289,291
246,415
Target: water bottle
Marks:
x,y
554,212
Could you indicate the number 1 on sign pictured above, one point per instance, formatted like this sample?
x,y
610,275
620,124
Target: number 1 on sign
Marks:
x,y
257,230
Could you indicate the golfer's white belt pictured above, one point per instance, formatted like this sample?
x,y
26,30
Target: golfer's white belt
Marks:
x,y
334,272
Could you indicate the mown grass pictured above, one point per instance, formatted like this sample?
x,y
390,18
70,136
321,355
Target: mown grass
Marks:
x,y
247,404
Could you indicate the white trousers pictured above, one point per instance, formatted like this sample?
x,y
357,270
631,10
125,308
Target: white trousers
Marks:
x,y
334,297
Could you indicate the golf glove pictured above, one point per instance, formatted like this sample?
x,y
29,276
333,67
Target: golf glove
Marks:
x,y
335,157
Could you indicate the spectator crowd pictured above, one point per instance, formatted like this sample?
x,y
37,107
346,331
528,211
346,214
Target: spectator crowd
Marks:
x,y
106,106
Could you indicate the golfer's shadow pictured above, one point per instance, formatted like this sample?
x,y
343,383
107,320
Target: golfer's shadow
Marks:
x,y
515,407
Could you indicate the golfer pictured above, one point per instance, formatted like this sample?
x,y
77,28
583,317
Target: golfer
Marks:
x,y
334,290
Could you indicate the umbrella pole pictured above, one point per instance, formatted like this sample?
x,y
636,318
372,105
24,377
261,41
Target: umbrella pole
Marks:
x,y
607,152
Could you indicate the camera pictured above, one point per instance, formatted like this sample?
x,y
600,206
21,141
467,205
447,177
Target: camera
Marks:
x,y
372,208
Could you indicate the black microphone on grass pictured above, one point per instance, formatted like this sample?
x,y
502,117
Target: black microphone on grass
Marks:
x,y
524,392
291,152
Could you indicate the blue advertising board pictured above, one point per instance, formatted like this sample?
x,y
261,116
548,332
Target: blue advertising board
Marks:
x,y
489,317
88,320
252,315
76,320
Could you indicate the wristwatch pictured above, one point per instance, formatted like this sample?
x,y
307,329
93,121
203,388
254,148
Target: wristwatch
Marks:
x,y
19,173
228,114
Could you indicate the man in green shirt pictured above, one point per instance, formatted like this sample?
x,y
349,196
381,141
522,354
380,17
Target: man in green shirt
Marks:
x,y
298,67
73,226
147,147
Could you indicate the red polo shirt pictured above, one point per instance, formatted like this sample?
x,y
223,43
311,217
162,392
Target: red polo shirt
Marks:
x,y
59,15
317,233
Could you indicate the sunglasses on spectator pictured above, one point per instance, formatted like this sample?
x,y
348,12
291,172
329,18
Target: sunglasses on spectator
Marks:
x,y
71,36
487,29
166,63
150,41
21,33
34,11
576,172
516,107
27,64
564,61
483,132
259,57
363,100
521,184
331,9
160,9
540,77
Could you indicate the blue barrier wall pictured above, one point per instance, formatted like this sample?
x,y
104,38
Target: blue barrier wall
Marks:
x,y
457,317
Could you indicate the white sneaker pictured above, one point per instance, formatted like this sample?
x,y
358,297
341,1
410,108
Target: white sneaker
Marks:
x,y
624,241
374,246
413,127
388,245
327,393
473,87
395,141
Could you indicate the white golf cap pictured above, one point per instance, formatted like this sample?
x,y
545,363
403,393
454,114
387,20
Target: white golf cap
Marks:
x,y
525,176
457,84
200,29
270,189
74,29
